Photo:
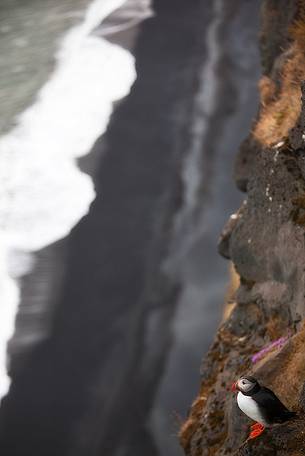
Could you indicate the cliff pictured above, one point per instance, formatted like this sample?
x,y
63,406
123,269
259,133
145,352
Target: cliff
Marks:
x,y
266,244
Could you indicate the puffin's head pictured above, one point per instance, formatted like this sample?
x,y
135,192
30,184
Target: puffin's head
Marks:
x,y
246,384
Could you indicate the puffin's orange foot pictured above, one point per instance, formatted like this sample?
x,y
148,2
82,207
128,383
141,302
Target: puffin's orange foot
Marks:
x,y
256,430
256,426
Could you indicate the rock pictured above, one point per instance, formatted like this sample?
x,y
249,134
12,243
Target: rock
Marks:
x,y
244,162
225,236
283,439
296,135
265,240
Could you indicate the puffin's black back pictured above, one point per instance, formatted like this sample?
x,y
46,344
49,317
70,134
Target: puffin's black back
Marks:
x,y
273,410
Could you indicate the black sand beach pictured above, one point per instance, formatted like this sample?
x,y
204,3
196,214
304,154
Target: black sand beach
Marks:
x,y
126,333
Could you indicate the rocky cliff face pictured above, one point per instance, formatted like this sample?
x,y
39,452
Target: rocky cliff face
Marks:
x,y
265,241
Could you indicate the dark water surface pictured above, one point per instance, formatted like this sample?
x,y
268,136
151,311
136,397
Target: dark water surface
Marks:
x,y
30,31
137,286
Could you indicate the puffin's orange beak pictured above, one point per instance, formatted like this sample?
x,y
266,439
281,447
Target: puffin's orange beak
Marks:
x,y
234,387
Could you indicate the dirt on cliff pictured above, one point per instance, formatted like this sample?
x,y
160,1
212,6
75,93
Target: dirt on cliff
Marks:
x,y
265,242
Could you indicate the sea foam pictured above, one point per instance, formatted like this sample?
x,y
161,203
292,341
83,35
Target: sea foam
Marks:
x,y
43,193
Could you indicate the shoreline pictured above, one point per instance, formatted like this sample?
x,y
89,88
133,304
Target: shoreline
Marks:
x,y
116,335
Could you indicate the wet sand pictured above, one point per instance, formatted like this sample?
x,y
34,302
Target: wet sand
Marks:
x,y
203,273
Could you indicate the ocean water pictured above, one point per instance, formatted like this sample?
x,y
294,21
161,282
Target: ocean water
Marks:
x,y
43,192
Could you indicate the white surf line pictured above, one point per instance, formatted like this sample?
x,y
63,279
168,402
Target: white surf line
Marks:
x,y
205,105
43,193
129,15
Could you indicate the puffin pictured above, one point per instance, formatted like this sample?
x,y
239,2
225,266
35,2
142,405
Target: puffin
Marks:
x,y
260,404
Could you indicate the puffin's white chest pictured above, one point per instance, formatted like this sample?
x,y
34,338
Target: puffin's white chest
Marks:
x,y
250,408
